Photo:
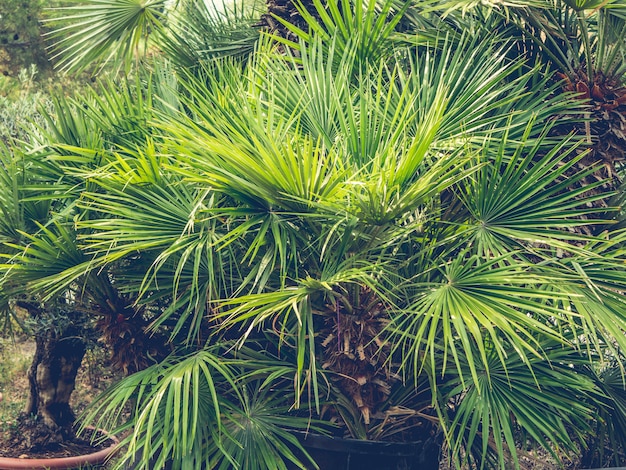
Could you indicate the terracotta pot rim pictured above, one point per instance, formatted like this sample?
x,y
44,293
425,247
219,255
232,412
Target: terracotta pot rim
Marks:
x,y
62,463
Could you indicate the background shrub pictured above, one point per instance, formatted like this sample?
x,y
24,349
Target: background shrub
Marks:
x,y
20,36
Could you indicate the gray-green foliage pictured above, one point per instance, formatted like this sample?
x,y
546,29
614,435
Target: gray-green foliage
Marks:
x,y
21,105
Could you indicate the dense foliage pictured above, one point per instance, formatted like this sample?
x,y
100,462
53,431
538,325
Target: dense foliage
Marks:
x,y
21,43
379,221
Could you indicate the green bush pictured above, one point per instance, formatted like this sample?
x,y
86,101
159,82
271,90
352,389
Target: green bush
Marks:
x,y
20,102
20,40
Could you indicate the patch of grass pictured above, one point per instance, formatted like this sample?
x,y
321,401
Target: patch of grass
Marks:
x,y
14,363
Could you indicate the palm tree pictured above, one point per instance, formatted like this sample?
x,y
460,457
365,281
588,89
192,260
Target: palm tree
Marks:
x,y
377,246
56,326
584,44
38,201
350,264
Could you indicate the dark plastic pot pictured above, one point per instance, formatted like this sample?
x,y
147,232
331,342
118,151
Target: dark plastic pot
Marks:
x,y
350,454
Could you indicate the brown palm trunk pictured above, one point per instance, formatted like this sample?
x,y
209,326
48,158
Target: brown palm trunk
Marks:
x,y
287,11
48,418
52,376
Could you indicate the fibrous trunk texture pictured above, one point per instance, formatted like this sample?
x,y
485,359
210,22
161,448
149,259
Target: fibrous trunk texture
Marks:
x,y
354,348
52,376
604,129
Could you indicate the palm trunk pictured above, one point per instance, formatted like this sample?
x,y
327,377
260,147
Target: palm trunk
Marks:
x,y
287,11
48,417
52,377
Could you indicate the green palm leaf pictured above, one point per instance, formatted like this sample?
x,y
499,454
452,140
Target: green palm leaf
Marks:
x,y
526,198
510,397
103,31
199,31
368,28
171,399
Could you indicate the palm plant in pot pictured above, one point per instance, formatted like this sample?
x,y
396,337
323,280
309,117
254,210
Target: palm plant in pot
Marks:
x,y
380,247
60,331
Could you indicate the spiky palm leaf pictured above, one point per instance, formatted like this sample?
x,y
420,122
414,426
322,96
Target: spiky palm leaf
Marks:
x,y
199,31
116,33
584,44
104,31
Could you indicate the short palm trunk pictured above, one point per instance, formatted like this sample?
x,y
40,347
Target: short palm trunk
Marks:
x,y
48,419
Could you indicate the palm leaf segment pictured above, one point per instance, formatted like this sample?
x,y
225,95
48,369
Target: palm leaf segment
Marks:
x,y
105,30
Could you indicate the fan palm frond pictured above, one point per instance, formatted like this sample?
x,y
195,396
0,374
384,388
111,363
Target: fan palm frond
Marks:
x,y
103,31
